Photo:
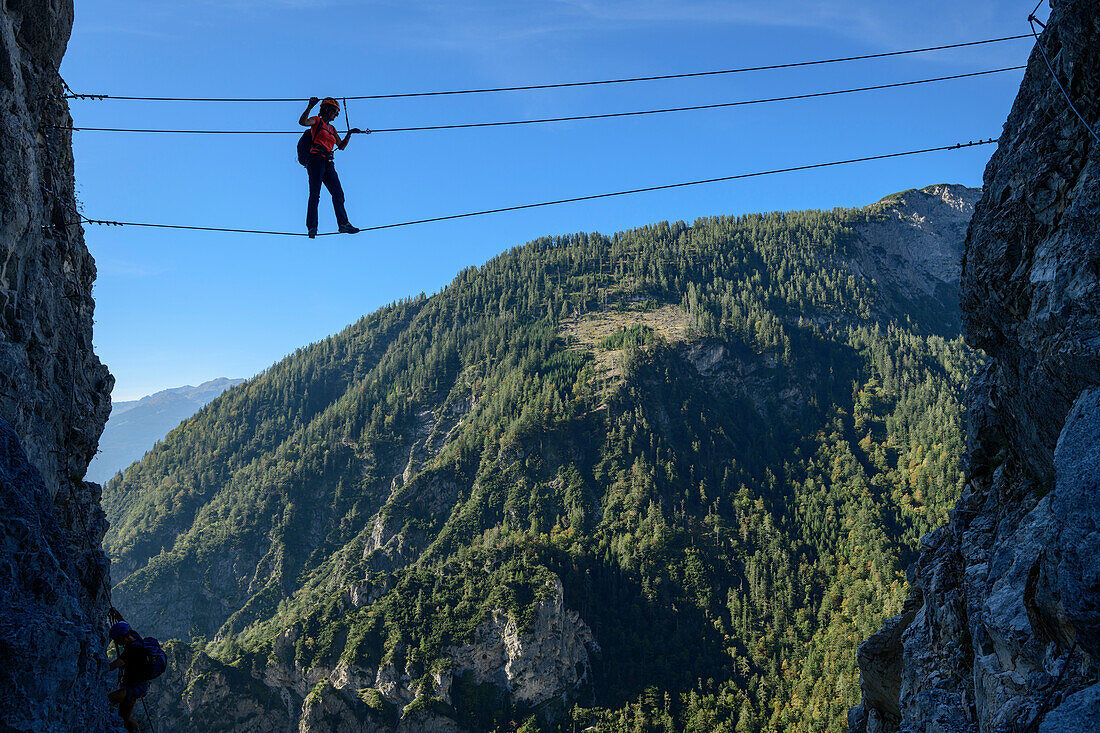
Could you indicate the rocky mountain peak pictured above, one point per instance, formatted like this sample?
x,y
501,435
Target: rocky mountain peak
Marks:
x,y
911,244
934,221
958,197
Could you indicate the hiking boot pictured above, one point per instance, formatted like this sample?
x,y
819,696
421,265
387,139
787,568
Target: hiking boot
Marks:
x,y
348,229
312,232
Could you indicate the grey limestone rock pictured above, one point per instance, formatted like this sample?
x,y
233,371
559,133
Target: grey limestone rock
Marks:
x,y
1080,711
1030,281
547,661
51,638
1007,633
536,667
880,656
53,398
53,390
1075,505
913,249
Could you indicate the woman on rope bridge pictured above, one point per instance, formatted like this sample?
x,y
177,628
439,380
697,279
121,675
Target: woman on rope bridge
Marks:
x,y
141,660
323,139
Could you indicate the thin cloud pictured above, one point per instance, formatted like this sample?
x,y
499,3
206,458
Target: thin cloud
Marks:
x,y
848,17
283,3
875,24
92,29
123,269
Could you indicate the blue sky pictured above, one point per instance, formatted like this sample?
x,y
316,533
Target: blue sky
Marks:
x,y
182,307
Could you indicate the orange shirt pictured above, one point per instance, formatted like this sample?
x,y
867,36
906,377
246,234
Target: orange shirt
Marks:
x,y
325,136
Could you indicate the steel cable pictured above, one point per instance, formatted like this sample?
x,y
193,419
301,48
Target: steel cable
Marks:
x,y
563,85
574,199
543,120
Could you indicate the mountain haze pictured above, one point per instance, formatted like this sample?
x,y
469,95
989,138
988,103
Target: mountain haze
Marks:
x,y
136,425
661,480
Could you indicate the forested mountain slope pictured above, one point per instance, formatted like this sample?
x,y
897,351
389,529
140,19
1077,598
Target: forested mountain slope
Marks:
x,y
666,479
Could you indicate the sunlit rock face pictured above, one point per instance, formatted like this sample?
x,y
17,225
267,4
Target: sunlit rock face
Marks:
x,y
53,398
1003,630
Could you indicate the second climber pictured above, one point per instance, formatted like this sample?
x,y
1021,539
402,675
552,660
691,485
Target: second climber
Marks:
x,y
323,140
141,660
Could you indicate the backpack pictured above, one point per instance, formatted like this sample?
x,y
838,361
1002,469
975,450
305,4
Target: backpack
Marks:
x,y
156,661
305,142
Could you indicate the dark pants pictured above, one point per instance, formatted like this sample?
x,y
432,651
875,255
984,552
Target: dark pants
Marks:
x,y
321,170
126,698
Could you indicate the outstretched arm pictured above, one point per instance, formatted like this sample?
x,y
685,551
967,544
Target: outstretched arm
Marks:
x,y
304,119
344,142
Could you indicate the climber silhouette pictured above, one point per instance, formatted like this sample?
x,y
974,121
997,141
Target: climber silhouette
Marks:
x,y
322,139
141,660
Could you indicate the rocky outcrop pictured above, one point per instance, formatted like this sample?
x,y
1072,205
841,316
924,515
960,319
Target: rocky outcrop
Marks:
x,y
915,243
197,692
1005,635
53,390
549,660
53,397
530,667
1030,284
911,245
51,635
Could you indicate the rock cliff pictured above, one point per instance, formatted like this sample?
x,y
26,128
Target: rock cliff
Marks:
x,y
53,397
537,666
1002,632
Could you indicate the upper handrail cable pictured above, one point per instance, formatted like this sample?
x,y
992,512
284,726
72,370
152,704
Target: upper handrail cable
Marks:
x,y
574,118
563,85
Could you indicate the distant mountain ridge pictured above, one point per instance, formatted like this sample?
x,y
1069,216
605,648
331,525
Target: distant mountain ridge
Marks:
x,y
135,426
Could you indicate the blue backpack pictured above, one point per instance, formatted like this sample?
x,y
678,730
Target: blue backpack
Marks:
x,y
156,661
